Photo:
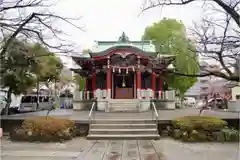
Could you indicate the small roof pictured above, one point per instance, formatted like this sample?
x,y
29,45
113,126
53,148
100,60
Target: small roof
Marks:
x,y
129,47
123,42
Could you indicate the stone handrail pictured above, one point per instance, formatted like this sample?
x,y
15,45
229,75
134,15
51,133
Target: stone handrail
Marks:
x,y
154,110
92,112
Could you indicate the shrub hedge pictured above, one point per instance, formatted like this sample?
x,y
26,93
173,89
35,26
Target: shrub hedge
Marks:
x,y
190,123
44,129
202,128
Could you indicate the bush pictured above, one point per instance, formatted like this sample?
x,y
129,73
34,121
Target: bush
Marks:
x,y
231,134
218,136
45,129
198,136
185,136
190,123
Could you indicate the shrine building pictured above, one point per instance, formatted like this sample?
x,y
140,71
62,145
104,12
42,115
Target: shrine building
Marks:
x,y
123,71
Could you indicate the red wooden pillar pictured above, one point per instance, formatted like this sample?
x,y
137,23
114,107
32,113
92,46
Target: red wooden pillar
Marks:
x,y
161,88
94,83
109,84
139,84
154,83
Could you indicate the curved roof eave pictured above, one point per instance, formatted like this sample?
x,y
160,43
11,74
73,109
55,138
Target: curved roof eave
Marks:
x,y
81,58
126,46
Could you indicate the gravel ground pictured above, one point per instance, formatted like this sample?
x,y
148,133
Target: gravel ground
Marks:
x,y
175,150
82,149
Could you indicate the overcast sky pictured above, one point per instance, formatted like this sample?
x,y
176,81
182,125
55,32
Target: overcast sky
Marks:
x,y
107,19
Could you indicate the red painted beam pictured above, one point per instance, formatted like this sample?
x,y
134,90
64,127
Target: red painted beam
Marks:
x,y
120,50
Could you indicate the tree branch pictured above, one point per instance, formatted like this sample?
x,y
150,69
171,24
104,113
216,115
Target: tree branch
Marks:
x,y
229,9
33,27
217,74
222,47
13,36
34,3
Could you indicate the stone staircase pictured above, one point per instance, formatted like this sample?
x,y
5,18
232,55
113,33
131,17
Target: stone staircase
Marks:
x,y
123,129
124,105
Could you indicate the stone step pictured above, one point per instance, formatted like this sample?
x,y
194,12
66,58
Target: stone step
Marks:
x,y
124,100
129,110
123,108
123,137
123,126
123,131
123,121
123,104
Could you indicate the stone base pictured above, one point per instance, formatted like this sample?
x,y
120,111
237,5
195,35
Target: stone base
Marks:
x,y
102,105
234,106
170,104
164,104
82,104
144,105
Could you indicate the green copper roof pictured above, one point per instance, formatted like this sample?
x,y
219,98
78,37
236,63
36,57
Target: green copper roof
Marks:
x,y
123,40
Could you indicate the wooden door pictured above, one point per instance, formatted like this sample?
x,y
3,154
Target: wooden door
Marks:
x,y
124,93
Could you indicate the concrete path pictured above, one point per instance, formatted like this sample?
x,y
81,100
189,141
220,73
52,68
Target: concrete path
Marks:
x,y
82,116
82,149
79,149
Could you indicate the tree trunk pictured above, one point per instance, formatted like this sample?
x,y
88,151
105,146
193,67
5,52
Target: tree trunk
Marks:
x,y
9,100
181,96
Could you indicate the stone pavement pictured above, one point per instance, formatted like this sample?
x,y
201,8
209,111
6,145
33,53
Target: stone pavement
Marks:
x,y
82,116
79,149
82,149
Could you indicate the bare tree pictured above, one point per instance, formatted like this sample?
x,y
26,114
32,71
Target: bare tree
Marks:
x,y
217,36
231,7
32,20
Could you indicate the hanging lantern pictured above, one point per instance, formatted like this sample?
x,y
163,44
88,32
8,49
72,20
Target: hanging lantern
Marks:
x,y
113,69
123,83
